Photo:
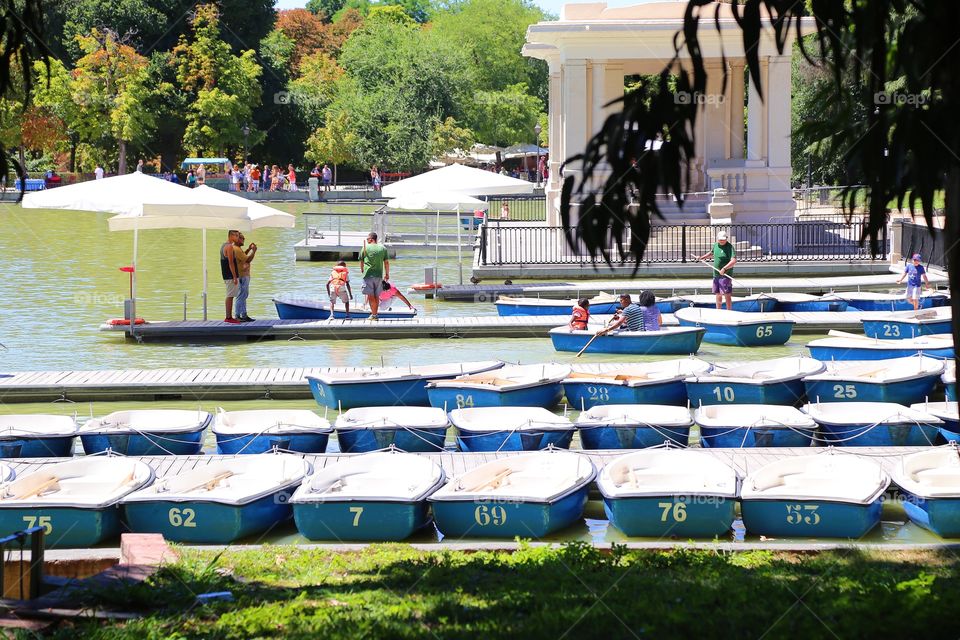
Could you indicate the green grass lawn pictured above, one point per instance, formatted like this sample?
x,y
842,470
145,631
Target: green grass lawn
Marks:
x,y
574,591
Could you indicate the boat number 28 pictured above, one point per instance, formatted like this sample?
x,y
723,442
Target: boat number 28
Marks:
x,y
38,521
764,331
495,515
802,513
182,517
891,330
598,394
724,394
844,391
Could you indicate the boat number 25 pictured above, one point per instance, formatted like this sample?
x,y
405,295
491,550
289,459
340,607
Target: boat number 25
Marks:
x,y
764,331
724,394
495,515
39,521
844,391
598,394
182,517
891,330
802,513
678,510
464,401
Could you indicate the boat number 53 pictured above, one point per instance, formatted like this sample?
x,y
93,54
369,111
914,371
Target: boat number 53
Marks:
x,y
805,513
182,517
495,515
39,521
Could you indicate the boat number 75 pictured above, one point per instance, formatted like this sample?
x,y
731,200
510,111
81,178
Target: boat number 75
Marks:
x,y
39,521
182,517
495,515
805,513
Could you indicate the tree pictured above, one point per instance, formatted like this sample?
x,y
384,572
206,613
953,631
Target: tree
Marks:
x,y
137,22
447,136
315,88
324,9
502,118
304,29
333,143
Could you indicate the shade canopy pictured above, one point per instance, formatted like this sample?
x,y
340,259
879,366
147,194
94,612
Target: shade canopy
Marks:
x,y
124,194
437,201
460,179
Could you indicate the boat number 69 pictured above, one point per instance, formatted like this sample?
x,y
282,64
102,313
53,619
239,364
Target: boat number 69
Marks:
x,y
495,515
844,391
182,517
891,330
764,331
464,401
805,513
598,394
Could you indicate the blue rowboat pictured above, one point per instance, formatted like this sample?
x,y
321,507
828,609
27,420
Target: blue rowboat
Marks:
x,y
759,303
349,387
874,424
949,380
146,432
218,503
76,502
909,324
737,328
36,436
510,429
415,429
776,381
527,496
539,385
306,308
929,482
827,495
591,385
373,497
871,301
263,430
671,304
754,425
669,493
946,412
633,426
848,346
803,302
899,380
668,341
511,306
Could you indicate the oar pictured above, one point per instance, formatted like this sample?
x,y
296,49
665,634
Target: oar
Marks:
x,y
589,342
494,481
44,484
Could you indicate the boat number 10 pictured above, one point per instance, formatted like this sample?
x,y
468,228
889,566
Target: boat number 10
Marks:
x,y
724,394
802,513
495,515
182,517
764,331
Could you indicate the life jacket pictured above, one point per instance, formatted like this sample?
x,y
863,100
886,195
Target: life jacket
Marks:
x,y
580,318
338,277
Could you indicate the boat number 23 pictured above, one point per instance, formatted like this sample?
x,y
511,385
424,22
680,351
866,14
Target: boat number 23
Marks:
x,y
495,515
802,513
39,521
891,330
182,517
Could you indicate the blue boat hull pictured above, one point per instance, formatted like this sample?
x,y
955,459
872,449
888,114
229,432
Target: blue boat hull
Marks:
x,y
145,444
207,522
495,519
448,398
906,392
669,306
895,435
809,518
753,335
37,447
901,304
736,438
408,393
297,312
561,309
940,515
853,353
790,392
417,440
950,431
676,344
812,305
584,395
526,440
234,444
366,521
671,516
895,330
760,305
64,527
951,391
639,437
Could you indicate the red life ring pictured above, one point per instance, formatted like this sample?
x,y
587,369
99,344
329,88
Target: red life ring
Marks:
x,y
118,322
423,286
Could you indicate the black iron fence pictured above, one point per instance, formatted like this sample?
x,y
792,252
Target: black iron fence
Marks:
x,y
28,572
928,242
816,240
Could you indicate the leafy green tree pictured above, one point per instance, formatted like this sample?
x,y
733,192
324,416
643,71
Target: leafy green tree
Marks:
x,y
390,13
505,117
333,143
447,136
325,9
315,88
138,23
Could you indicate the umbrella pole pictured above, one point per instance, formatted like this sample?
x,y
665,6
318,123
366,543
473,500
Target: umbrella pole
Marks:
x,y
459,244
204,261
133,284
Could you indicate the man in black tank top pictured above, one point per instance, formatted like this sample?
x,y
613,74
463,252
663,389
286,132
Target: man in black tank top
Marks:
x,y
228,269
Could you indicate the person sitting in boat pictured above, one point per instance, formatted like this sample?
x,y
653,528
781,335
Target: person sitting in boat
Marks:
x,y
389,293
628,318
581,315
913,273
338,286
651,313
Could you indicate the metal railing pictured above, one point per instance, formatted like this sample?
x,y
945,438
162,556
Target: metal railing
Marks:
x,y
31,569
816,240
928,242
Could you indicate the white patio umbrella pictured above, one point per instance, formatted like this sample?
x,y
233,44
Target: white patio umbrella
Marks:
x,y
459,179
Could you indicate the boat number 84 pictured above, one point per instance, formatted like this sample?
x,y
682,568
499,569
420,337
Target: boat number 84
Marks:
x,y
495,515
802,513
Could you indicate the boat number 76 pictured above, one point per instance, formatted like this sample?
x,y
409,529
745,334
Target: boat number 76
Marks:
x,y
803,513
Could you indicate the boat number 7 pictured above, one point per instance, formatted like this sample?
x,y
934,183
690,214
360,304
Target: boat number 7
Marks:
x,y
891,330
39,521
844,391
182,517
764,331
805,513
356,511
495,515
598,394
679,510
464,401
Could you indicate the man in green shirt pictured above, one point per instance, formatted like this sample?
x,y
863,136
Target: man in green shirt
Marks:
x,y
724,257
374,267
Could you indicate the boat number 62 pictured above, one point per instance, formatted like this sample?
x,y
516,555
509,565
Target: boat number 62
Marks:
x,y
182,517
805,513
495,515
764,331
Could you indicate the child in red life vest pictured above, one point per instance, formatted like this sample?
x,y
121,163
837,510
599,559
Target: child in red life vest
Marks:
x,y
338,286
581,315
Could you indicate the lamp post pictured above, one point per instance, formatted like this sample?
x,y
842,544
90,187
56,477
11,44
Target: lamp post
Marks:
x,y
246,133
537,129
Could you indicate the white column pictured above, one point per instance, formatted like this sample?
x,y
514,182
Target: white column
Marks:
x,y
606,85
575,101
735,112
778,111
757,116
555,145
612,87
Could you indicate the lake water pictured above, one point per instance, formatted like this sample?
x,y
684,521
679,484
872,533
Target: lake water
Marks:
x,y
61,280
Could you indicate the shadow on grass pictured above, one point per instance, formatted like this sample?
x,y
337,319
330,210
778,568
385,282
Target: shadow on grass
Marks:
x,y
574,591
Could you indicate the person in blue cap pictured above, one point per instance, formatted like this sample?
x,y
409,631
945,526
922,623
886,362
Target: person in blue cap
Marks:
x,y
914,272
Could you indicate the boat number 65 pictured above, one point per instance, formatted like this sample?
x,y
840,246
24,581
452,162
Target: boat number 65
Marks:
x,y
495,515
598,394
182,517
39,521
891,330
724,394
805,513
464,401
844,391
764,331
